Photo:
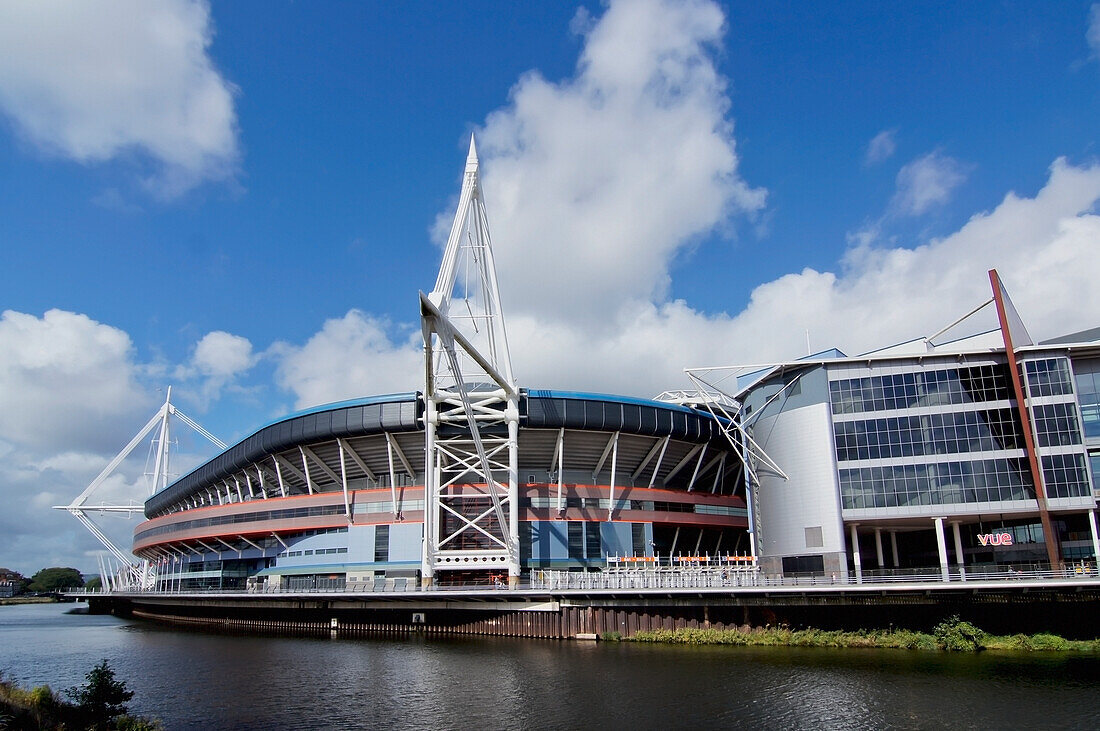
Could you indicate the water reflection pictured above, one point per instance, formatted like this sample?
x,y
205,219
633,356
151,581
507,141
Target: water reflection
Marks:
x,y
197,680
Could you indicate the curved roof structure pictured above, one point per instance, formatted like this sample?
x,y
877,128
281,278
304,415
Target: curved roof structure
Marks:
x,y
404,412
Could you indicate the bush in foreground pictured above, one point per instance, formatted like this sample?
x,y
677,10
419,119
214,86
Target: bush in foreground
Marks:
x,y
100,704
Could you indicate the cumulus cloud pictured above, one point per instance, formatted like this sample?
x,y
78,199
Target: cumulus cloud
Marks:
x,y
586,201
70,397
92,81
61,372
925,183
351,356
602,178
217,361
881,147
223,355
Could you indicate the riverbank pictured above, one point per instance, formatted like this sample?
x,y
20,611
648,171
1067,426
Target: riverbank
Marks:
x,y
951,635
100,703
12,600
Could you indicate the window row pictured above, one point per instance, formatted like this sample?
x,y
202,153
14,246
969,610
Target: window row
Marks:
x,y
286,513
980,481
314,552
1064,475
1048,377
928,434
974,384
1056,424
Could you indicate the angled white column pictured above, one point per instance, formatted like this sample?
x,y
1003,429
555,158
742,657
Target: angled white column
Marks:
x,y
941,546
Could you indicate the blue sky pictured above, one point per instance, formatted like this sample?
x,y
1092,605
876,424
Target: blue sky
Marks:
x,y
242,199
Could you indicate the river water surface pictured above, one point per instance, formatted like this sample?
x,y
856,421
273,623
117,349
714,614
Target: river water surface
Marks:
x,y
195,680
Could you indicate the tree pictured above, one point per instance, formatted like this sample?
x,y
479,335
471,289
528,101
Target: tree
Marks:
x,y
56,578
94,583
102,697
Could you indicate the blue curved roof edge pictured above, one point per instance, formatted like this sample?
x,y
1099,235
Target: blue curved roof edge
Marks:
x,y
386,398
586,396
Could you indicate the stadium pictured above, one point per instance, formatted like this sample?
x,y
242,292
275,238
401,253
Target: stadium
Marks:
x,y
933,457
334,497
468,480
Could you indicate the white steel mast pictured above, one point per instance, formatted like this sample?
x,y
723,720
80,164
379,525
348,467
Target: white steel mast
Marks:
x,y
80,507
471,517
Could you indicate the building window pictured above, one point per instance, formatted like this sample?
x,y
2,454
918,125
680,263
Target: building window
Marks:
x,y
1049,377
576,540
1064,475
1088,395
593,546
943,483
637,538
927,434
970,384
1056,425
381,543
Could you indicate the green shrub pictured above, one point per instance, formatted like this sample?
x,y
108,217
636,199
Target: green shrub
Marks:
x,y
611,636
1048,642
955,635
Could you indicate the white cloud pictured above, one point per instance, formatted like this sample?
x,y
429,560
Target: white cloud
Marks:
x,y
69,399
881,147
595,183
584,263
350,357
1092,33
222,355
218,360
61,373
926,182
92,81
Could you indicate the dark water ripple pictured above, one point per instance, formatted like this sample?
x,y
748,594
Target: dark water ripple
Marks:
x,y
193,680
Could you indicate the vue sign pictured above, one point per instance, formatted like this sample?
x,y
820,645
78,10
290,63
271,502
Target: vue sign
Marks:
x,y
995,539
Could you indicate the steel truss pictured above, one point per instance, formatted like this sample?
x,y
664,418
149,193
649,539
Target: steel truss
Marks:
x,y
471,517
125,570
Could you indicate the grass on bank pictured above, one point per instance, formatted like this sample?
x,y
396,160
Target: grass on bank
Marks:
x,y
99,704
952,635
27,600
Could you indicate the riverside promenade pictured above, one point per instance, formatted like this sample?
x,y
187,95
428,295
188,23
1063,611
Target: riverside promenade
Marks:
x,y
559,604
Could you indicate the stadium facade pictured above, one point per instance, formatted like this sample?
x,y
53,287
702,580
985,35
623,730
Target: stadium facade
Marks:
x,y
979,452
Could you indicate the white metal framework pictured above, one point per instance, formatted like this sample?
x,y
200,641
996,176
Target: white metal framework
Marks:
x,y
471,516
80,508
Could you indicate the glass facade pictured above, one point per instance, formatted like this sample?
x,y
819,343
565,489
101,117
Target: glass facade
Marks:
x,y
1088,395
965,385
967,449
1049,377
1064,475
1056,424
941,483
928,434
983,437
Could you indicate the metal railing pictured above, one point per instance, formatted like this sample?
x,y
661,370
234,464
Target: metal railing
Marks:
x,y
663,578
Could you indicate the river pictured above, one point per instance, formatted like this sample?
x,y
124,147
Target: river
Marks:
x,y
196,680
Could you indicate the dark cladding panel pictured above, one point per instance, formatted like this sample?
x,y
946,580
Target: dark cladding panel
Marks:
x,y
632,418
391,416
339,422
573,411
310,428
545,413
